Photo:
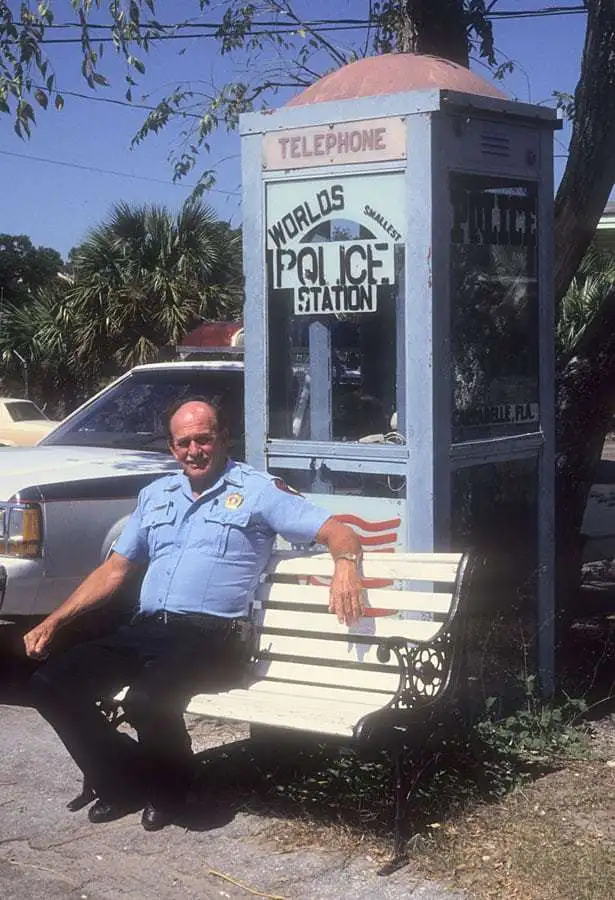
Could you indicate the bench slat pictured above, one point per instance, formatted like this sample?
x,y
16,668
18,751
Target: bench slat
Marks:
x,y
315,648
322,693
326,623
317,716
362,678
377,598
404,566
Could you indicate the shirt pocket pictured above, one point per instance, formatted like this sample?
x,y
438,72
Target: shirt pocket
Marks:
x,y
222,529
160,525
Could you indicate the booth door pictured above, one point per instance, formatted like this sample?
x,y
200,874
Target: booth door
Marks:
x,y
335,408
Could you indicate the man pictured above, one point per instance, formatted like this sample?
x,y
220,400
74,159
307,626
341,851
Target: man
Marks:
x,y
205,535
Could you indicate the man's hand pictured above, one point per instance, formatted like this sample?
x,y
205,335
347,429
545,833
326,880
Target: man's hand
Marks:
x,y
95,590
37,641
346,593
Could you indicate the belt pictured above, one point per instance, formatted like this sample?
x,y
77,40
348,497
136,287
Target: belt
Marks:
x,y
167,617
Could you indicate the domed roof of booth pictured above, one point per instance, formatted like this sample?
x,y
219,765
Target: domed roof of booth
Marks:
x,y
394,73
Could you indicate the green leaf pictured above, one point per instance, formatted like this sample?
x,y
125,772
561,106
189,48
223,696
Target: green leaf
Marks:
x,y
27,112
59,101
134,12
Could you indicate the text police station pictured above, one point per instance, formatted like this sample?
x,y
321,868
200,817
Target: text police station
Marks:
x,y
327,277
339,277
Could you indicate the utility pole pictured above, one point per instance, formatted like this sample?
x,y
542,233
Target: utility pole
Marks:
x,y
25,372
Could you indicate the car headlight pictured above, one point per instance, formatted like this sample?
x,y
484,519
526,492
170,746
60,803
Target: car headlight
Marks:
x,y
21,530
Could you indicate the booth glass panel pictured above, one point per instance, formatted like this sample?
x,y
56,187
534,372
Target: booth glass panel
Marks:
x,y
495,515
350,484
335,262
494,307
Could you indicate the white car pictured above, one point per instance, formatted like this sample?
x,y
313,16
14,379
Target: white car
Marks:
x,y
22,423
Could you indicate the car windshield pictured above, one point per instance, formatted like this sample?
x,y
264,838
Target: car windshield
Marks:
x,y
24,411
131,414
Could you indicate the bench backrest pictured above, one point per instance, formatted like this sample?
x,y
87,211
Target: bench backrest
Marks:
x,y
400,651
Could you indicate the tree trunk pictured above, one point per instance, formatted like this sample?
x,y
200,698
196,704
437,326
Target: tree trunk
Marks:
x,y
586,384
436,27
584,404
590,173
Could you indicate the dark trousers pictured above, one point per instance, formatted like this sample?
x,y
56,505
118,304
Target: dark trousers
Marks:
x,y
164,661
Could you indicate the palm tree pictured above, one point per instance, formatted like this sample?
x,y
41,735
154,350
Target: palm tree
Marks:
x,y
588,290
143,279
46,341
139,282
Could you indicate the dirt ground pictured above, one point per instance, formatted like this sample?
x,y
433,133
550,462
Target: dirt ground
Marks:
x,y
552,840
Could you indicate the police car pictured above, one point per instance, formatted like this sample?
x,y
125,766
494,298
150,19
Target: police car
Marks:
x,y
63,503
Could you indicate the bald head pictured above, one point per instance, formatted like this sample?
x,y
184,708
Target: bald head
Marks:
x,y
198,441
192,411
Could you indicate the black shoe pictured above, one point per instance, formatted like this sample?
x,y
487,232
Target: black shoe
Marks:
x,y
102,811
153,819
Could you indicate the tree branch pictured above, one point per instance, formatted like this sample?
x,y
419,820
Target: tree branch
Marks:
x,y
590,171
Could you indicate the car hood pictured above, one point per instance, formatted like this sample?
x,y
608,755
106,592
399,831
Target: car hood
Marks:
x,y
28,471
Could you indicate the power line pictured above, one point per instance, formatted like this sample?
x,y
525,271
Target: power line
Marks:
x,y
275,27
328,24
98,171
537,13
263,23
97,99
205,35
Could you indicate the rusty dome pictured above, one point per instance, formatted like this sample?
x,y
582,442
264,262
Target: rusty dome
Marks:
x,y
393,73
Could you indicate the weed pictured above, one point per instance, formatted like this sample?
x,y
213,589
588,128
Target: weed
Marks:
x,y
540,730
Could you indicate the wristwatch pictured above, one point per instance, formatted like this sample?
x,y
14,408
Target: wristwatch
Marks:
x,y
351,557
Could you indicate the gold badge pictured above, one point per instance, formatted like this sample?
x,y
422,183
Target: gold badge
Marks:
x,y
233,501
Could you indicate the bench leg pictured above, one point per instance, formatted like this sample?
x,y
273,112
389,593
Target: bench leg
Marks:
x,y
402,791
409,770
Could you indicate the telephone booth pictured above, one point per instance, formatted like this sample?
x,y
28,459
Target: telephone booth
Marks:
x,y
397,224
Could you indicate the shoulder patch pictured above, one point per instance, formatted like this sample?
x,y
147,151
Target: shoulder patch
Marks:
x,y
283,486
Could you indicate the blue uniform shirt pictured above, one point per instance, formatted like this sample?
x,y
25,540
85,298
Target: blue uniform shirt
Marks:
x,y
206,555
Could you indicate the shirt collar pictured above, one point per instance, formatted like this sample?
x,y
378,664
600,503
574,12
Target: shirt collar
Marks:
x,y
231,474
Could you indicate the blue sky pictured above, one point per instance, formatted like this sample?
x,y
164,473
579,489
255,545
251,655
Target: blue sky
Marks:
x,y
55,203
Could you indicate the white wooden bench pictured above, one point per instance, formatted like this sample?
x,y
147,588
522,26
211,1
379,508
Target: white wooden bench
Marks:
x,y
375,680
311,673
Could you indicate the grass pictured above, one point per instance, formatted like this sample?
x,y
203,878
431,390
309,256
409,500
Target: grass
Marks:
x,y
553,840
